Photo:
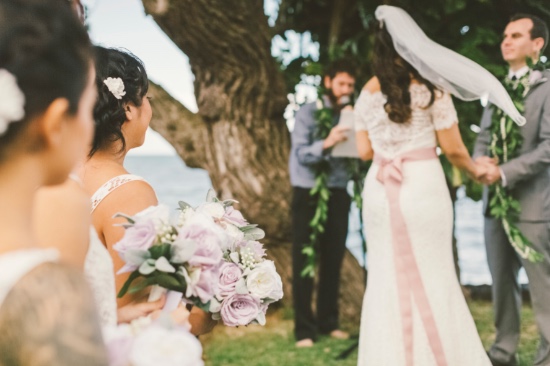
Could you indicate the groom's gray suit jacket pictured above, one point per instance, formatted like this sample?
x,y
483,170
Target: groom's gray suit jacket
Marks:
x,y
528,175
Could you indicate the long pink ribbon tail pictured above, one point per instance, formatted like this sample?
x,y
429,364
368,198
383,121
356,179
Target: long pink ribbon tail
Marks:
x,y
409,282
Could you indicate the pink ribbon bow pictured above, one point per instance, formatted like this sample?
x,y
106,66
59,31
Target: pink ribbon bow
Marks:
x,y
409,282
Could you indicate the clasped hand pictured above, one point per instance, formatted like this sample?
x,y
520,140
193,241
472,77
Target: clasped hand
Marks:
x,y
486,170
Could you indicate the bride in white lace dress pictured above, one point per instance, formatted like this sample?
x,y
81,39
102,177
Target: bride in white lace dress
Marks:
x,y
414,312
446,329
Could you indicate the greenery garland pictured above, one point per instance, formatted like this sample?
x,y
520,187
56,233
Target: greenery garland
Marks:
x,y
324,117
506,141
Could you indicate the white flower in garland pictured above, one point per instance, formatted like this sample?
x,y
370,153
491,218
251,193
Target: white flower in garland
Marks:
x,y
115,86
12,100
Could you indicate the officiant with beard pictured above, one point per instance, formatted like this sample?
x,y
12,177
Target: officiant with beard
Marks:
x,y
311,165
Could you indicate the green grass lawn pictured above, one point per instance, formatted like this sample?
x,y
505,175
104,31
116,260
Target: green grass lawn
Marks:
x,y
273,345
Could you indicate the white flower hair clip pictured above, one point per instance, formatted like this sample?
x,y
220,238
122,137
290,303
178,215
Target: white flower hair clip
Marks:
x,y
115,86
12,100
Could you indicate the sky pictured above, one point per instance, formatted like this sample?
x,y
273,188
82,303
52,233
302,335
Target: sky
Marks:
x,y
123,23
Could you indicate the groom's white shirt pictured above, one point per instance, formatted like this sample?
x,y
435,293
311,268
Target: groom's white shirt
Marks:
x,y
518,73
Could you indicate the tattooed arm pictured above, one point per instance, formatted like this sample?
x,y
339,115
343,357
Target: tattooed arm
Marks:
x,y
49,318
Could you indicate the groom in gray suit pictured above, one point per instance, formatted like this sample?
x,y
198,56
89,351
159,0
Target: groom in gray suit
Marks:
x,y
528,179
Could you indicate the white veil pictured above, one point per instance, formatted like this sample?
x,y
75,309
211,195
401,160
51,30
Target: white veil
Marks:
x,y
444,68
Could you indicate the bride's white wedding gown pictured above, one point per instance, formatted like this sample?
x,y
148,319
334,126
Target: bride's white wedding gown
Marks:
x,y
425,205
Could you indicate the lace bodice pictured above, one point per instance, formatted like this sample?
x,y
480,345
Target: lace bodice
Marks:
x,y
391,139
98,268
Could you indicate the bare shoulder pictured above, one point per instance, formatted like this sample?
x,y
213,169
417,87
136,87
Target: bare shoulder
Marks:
x,y
69,196
130,198
373,85
61,219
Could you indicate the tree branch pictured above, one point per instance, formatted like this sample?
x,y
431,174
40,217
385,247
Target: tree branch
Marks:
x,y
182,128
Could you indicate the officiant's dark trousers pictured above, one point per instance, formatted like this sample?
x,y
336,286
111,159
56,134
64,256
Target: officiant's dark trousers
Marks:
x,y
330,253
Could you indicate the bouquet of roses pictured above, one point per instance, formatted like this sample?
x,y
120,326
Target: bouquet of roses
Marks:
x,y
248,282
185,259
146,343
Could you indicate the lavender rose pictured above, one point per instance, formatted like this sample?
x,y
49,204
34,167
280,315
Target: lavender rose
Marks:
x,y
230,273
209,239
207,285
201,283
234,217
239,310
139,237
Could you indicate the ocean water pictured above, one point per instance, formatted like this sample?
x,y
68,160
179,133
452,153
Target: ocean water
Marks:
x,y
173,182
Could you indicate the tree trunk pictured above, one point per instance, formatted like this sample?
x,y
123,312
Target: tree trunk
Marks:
x,y
239,134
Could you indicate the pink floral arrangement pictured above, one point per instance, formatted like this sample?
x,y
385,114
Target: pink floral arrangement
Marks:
x,y
185,259
247,281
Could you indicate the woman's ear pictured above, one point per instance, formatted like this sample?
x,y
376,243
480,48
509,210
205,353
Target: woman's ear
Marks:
x,y
129,110
52,121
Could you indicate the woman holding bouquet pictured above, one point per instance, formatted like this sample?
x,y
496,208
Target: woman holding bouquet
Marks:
x,y
414,312
47,92
122,115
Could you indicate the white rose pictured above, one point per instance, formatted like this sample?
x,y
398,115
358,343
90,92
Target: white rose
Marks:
x,y
234,233
160,214
160,346
182,250
264,282
212,209
12,100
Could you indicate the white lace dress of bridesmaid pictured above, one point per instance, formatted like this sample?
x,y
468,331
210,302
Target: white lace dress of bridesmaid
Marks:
x,y
98,269
98,266
437,329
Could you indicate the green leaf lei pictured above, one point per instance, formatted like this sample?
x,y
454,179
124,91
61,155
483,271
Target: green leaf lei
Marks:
x,y
321,192
506,141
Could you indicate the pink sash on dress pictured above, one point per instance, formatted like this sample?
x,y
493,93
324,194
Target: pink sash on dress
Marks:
x,y
409,282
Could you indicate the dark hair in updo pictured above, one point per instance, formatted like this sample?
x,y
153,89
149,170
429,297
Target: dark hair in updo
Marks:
x,y
45,46
109,112
395,76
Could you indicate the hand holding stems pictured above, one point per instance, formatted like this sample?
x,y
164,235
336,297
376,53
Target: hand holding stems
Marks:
x,y
139,308
142,308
